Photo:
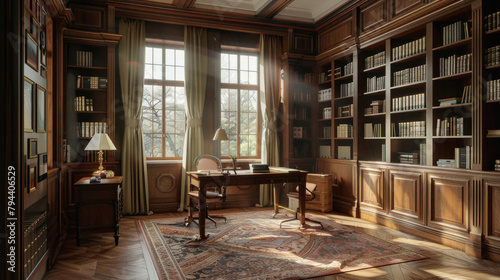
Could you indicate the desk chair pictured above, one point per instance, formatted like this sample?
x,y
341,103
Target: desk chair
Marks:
x,y
216,194
310,188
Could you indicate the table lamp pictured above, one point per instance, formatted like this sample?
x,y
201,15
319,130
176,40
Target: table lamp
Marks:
x,y
101,142
220,134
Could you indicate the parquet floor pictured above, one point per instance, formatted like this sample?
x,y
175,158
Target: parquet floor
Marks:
x,y
98,258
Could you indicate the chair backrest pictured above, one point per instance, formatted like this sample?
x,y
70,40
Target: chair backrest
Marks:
x,y
310,188
207,162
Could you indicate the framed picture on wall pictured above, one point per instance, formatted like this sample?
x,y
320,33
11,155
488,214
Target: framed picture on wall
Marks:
x,y
32,179
28,108
41,108
31,51
32,147
42,167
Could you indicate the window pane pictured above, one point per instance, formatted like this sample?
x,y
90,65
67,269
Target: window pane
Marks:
x,y
252,123
253,63
252,78
224,99
179,73
157,121
170,73
170,149
179,121
233,99
149,55
179,144
244,145
233,61
179,57
157,72
147,97
170,57
233,76
148,71
244,62
224,76
252,142
157,97
157,56
147,121
244,77
148,145
224,61
157,143
252,101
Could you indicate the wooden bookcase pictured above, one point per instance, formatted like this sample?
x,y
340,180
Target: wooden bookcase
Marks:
x,y
324,114
89,101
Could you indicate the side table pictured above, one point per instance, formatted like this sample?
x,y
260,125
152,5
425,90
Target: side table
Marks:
x,y
98,205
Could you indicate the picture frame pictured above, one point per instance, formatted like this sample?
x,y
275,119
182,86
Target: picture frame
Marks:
x,y
32,147
43,17
42,167
34,28
32,174
28,109
41,109
43,71
31,51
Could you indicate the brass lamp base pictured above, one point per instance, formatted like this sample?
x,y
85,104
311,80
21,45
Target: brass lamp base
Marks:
x,y
109,173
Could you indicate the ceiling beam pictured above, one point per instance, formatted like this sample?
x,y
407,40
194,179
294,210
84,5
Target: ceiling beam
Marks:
x,y
184,3
273,8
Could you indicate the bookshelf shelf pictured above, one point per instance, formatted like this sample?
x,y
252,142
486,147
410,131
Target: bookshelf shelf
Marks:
x,y
325,101
410,85
91,112
458,44
407,138
374,138
343,118
492,67
342,98
375,69
375,92
99,90
453,137
451,106
453,77
408,111
325,83
493,101
375,115
346,77
409,58
88,67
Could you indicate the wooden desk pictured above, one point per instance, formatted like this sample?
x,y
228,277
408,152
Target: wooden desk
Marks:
x,y
93,203
246,177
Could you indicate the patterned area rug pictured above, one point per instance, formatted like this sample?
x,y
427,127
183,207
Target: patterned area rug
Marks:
x,y
251,245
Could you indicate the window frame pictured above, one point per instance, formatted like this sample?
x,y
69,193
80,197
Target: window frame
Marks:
x,y
164,83
241,51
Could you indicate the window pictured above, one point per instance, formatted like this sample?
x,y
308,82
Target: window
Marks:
x,y
239,104
163,113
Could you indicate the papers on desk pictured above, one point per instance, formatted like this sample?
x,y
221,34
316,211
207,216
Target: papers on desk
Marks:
x,y
208,172
284,169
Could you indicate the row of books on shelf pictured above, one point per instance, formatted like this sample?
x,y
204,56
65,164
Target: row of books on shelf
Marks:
x,y
88,129
456,31
325,94
345,111
493,90
345,130
327,113
344,70
325,151
34,240
408,49
451,126
462,159
497,165
449,101
452,65
325,76
347,89
409,75
84,58
83,104
492,21
344,152
91,82
309,78
327,132
409,157
303,97
70,154
376,106
373,130
375,60
299,132
375,83
408,102
492,56
408,129
467,94
300,113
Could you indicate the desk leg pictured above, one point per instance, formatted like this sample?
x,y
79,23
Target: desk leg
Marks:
x,y
77,215
276,199
203,211
117,226
302,202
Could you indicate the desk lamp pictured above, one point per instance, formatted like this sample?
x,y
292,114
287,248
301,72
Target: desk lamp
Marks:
x,y
101,142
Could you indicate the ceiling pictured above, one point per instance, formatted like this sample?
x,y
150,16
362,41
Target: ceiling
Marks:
x,y
305,11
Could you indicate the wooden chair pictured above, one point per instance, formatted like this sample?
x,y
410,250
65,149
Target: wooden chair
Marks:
x,y
214,194
310,188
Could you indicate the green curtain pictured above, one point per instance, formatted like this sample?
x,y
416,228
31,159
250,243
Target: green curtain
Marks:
x,y
270,78
131,52
195,83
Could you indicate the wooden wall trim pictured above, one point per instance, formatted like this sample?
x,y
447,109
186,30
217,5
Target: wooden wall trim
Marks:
x,y
58,10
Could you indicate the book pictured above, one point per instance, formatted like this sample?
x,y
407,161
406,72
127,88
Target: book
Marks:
x,y
259,168
344,152
325,151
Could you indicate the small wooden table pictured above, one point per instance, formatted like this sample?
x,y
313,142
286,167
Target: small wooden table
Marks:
x,y
98,205
275,176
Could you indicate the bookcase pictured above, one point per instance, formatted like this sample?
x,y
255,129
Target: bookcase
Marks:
x,y
324,112
89,100
298,104
491,88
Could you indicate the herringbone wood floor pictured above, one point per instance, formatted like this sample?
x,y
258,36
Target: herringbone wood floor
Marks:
x,y
98,258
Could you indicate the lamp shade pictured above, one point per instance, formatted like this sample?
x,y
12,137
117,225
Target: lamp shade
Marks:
x,y
100,142
220,134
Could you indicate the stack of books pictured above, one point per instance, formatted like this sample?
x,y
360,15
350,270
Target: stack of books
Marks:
x,y
446,163
497,165
449,101
378,106
259,168
409,158
463,158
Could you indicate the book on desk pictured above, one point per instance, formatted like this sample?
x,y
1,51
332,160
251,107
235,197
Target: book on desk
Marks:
x,y
259,168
